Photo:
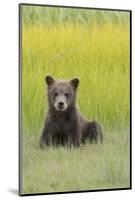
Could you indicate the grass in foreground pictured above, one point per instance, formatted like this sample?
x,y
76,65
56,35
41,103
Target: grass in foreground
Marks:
x,y
89,167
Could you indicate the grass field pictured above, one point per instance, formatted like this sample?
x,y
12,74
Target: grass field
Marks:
x,y
89,167
98,53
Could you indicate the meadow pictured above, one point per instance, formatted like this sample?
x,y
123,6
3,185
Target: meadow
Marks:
x,y
94,46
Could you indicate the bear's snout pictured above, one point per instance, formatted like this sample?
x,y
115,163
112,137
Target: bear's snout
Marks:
x,y
60,104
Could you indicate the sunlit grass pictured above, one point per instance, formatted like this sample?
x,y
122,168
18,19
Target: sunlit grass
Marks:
x,y
99,55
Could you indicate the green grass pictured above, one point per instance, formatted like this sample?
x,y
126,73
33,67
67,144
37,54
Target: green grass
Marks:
x,y
89,167
98,53
33,15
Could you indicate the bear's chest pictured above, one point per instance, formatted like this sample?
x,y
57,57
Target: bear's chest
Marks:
x,y
63,126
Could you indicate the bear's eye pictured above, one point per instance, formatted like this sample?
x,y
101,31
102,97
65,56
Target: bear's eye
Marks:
x,y
55,94
66,94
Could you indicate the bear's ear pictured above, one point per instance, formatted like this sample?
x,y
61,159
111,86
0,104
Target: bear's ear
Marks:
x,y
49,80
75,82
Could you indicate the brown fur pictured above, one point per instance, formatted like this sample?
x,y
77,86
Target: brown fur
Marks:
x,y
64,124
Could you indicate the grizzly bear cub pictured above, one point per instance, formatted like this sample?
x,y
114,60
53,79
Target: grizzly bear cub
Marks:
x,y
64,124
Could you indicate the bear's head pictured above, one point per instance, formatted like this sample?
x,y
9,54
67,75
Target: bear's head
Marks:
x,y
61,93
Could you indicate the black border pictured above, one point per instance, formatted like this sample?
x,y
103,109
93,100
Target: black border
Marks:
x,y
20,98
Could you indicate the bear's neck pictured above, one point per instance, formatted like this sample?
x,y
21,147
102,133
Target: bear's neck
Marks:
x,y
62,114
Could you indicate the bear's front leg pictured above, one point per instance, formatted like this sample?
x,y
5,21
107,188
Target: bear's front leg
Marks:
x,y
45,138
74,139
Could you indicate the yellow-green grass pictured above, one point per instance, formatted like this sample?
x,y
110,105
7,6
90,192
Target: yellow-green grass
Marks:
x,y
100,56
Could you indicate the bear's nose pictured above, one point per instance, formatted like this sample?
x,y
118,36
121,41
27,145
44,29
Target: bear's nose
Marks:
x,y
61,104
